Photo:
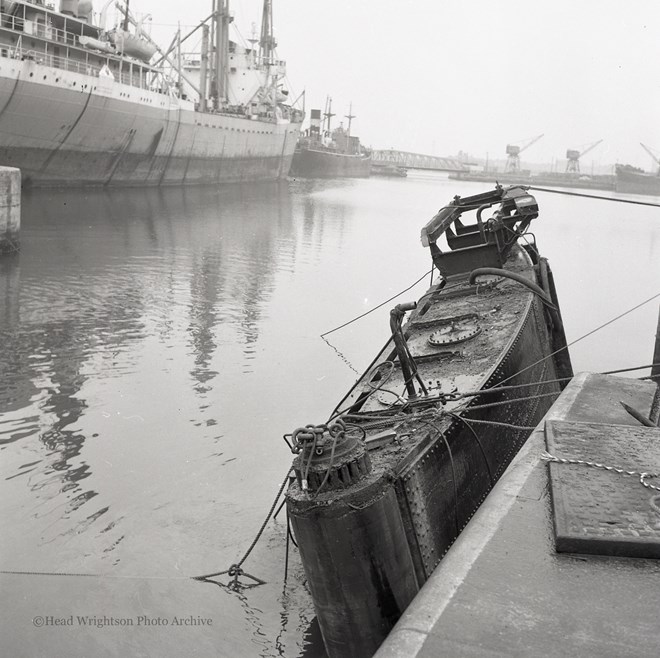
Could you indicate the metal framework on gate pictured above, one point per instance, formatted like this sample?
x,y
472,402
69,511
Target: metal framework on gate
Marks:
x,y
416,160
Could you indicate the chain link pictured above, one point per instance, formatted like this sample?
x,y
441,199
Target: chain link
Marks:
x,y
642,475
311,433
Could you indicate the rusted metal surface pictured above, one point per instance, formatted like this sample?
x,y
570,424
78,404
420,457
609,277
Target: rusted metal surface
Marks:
x,y
360,570
435,452
484,243
446,479
503,590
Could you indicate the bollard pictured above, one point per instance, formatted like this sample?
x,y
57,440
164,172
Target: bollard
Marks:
x,y
10,208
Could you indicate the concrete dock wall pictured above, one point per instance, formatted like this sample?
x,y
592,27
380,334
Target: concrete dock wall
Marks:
x,y
10,208
504,590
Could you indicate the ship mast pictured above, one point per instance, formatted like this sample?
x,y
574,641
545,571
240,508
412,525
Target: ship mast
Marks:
x,y
125,26
267,43
328,114
203,71
221,46
350,116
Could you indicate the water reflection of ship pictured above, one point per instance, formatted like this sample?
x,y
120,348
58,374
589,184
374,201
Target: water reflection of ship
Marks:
x,y
52,351
78,302
325,153
14,392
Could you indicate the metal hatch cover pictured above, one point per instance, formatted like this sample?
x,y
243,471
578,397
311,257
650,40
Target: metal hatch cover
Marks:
x,y
597,509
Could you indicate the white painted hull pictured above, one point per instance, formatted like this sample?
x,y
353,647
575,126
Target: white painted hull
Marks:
x,y
68,128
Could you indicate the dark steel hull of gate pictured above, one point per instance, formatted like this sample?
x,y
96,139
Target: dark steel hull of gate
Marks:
x,y
373,532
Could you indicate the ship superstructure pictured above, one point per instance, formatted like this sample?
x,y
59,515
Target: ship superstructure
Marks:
x,y
81,104
323,152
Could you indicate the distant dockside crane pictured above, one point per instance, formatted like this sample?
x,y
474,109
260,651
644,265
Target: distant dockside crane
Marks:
x,y
654,156
573,157
513,152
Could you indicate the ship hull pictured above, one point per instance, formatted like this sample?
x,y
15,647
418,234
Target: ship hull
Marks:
x,y
603,182
368,549
502,178
637,183
551,180
72,129
310,163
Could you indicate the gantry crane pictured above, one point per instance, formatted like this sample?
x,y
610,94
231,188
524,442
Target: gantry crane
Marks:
x,y
573,157
654,156
513,152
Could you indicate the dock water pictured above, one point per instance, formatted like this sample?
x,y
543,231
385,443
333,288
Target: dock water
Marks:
x,y
142,332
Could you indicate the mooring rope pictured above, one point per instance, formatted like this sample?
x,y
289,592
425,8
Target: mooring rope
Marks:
x,y
387,301
487,405
466,422
453,471
593,196
577,340
235,570
8,572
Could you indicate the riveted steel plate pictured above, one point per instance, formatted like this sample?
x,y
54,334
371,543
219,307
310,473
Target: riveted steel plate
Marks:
x,y
600,511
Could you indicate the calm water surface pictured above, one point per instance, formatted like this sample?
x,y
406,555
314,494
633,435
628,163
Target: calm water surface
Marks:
x,y
155,345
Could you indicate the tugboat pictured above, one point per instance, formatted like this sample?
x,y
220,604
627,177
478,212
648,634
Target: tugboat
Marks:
x,y
385,486
326,153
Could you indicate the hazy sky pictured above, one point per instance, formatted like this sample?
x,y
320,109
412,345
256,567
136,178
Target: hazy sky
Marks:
x,y
436,76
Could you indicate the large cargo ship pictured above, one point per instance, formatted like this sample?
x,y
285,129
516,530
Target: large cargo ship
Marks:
x,y
325,153
84,105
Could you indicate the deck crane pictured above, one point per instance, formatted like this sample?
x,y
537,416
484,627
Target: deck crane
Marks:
x,y
573,157
654,156
513,152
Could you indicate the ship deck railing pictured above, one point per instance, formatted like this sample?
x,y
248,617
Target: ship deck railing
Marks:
x,y
139,76
87,61
18,24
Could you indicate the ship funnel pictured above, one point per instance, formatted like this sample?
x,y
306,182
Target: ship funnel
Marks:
x,y
85,8
315,123
69,7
